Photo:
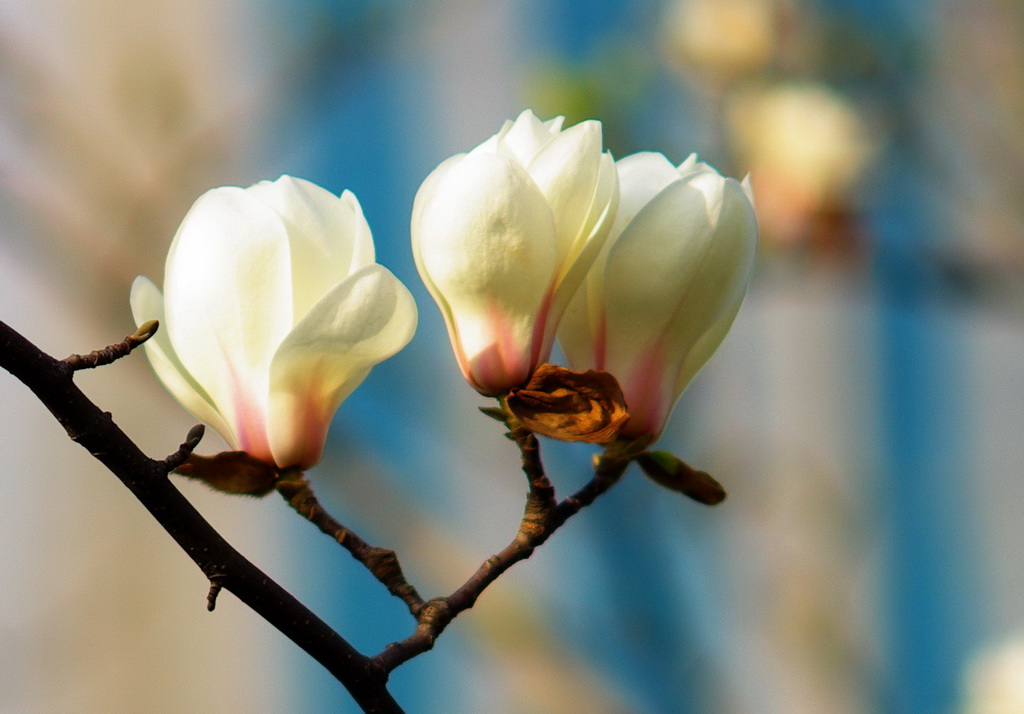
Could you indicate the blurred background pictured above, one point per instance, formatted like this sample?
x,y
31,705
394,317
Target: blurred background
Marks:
x,y
864,414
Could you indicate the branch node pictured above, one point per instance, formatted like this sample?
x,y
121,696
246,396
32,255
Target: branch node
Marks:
x,y
435,615
195,435
111,353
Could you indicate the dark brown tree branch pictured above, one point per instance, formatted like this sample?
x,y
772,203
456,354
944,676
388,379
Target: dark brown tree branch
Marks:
x,y
364,677
52,382
381,562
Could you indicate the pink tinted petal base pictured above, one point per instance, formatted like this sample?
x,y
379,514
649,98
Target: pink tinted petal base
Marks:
x,y
600,343
648,394
310,425
249,419
506,362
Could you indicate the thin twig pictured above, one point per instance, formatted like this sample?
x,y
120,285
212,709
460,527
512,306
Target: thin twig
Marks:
x,y
195,435
52,382
110,353
542,517
541,500
381,562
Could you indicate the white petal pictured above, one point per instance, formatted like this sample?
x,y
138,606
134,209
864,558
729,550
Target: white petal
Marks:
x,y
605,206
328,235
484,241
228,299
583,279
676,272
579,330
525,137
692,163
748,189
653,264
553,125
701,351
642,176
362,321
567,170
425,194
148,304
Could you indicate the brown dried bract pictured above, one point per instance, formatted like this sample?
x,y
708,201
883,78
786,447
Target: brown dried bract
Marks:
x,y
231,472
571,406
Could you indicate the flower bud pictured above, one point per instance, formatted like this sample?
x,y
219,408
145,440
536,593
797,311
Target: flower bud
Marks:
x,y
274,311
504,235
664,291
671,472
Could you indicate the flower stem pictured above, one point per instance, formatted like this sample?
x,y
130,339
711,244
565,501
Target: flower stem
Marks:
x,y
381,562
542,516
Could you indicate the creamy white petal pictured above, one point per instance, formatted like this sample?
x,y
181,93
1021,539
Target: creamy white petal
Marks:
x,y
583,280
567,170
691,163
363,251
698,355
655,262
579,331
748,189
582,333
423,198
553,125
328,236
689,272
642,176
425,194
483,237
605,205
147,303
362,321
525,137
228,298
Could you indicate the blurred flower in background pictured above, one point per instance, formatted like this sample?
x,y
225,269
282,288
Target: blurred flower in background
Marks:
x,y
722,38
864,412
808,150
994,680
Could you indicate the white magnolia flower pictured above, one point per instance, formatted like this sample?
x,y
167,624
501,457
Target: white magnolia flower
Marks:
x,y
668,284
504,235
273,311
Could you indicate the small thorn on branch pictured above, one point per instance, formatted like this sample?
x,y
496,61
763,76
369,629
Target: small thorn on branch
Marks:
x,y
110,353
211,597
195,435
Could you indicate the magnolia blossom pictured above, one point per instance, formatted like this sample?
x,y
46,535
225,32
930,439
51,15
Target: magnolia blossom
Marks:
x,y
665,290
504,235
273,311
